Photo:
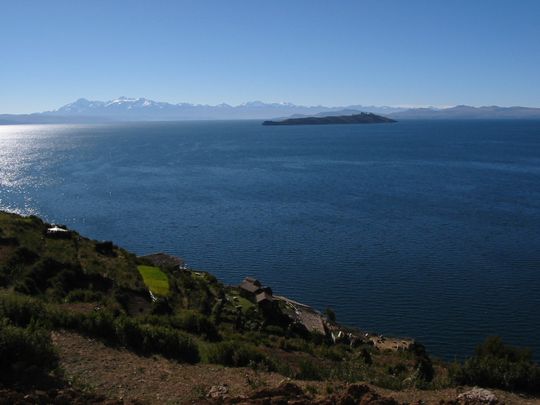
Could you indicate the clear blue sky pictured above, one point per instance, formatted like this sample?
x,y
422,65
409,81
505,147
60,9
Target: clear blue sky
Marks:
x,y
401,52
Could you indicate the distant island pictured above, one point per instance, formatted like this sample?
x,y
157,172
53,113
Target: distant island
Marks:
x,y
362,118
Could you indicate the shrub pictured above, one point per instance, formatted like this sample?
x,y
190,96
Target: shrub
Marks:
x,y
236,354
274,330
149,339
423,364
188,321
21,310
295,344
27,354
115,330
308,371
81,295
106,248
366,356
142,338
334,353
330,314
498,365
196,323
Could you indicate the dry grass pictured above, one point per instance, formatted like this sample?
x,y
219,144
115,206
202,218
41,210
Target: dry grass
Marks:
x,y
119,374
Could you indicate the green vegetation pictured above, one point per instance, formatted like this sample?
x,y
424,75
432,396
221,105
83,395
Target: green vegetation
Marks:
x,y
155,279
34,264
100,290
498,365
27,354
114,329
330,314
237,354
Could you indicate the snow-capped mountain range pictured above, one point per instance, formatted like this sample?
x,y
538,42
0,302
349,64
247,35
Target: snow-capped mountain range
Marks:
x,y
142,109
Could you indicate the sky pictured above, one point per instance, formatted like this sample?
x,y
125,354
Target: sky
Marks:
x,y
333,53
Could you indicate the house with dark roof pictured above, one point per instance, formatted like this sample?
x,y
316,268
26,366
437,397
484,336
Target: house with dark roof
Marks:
x,y
265,301
253,290
250,287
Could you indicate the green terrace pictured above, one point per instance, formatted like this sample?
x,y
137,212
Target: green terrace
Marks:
x,y
155,280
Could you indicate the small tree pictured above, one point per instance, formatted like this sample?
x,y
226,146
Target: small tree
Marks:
x,y
330,314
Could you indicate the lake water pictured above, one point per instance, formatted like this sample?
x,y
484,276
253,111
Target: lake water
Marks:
x,y
421,229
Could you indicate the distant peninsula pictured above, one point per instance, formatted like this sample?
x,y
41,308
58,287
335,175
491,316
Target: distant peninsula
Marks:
x,y
362,118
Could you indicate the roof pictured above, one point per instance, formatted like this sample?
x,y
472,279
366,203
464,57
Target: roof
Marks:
x,y
263,296
55,229
252,281
163,260
250,286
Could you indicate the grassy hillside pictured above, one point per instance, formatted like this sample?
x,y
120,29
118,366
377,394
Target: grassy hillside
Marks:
x,y
70,283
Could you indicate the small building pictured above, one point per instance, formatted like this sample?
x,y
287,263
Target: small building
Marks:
x,y
253,290
250,287
266,303
57,232
263,297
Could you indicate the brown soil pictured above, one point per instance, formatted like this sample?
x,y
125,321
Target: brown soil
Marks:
x,y
118,374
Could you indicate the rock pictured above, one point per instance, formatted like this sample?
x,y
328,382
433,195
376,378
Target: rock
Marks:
x,y
477,396
218,391
285,389
362,394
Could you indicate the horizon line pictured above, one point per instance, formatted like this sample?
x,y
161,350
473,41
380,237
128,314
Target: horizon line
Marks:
x,y
283,103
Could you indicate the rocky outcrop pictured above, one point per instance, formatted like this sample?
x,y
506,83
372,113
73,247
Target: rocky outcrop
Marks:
x,y
477,396
289,393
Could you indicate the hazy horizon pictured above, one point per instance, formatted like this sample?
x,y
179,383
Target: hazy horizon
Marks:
x,y
172,102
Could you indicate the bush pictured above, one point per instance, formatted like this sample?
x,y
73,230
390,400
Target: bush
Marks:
x,y
498,365
21,310
195,323
236,354
142,338
274,330
423,363
149,339
27,354
80,295
308,371
188,321
330,314
116,330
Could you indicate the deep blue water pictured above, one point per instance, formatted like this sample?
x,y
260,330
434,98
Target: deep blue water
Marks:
x,y
422,229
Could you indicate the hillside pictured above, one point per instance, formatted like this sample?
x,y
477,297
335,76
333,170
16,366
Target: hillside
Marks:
x,y
84,321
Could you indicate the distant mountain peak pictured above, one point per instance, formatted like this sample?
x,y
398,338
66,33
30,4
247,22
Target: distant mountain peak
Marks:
x,y
142,109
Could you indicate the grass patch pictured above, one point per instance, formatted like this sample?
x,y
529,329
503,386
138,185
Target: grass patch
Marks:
x,y
155,280
237,299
